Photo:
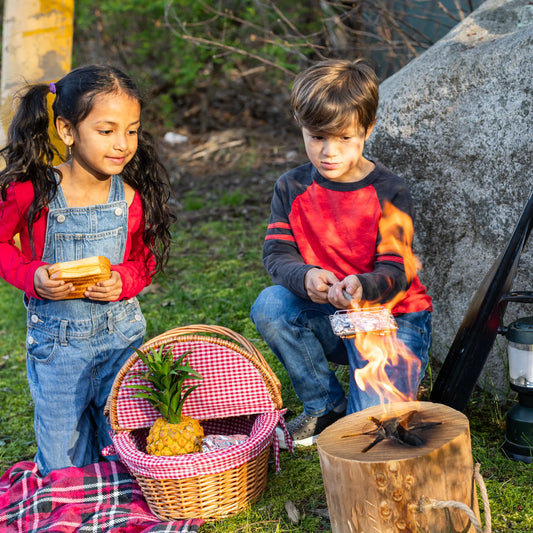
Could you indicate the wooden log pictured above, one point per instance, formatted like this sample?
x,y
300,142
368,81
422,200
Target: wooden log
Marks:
x,y
389,488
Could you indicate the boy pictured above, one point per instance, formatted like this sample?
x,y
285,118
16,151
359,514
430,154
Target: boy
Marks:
x,y
325,236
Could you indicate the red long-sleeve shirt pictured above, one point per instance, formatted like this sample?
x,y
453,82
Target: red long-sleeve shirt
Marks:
x,y
18,265
316,222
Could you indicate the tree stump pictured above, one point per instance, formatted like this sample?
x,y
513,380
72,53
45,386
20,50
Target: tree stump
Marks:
x,y
391,488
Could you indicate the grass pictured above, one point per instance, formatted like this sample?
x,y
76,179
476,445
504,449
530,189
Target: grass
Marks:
x,y
213,277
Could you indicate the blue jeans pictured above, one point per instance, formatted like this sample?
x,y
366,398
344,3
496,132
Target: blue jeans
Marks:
x,y
414,330
299,333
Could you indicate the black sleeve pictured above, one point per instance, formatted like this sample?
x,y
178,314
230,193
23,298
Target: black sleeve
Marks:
x,y
281,256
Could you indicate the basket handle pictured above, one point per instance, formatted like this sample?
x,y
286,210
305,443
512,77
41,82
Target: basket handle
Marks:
x,y
237,343
205,328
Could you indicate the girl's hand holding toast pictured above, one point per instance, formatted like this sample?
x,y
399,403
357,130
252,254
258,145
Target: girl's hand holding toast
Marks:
x,y
108,290
50,289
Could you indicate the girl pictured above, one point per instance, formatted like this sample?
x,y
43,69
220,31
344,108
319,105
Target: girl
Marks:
x,y
110,199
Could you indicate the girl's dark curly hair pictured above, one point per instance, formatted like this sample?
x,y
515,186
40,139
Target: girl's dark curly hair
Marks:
x,y
29,152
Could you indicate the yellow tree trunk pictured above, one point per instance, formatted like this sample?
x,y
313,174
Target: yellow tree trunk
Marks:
x,y
36,47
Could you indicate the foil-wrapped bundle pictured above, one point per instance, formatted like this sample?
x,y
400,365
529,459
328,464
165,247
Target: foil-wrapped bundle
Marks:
x,y
221,442
349,322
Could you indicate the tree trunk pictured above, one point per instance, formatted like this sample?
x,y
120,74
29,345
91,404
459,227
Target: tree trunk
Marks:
x,y
395,487
37,47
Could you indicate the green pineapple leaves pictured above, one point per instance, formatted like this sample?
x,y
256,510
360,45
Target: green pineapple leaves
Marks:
x,y
167,377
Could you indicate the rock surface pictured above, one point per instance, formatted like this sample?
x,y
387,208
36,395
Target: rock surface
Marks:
x,y
456,122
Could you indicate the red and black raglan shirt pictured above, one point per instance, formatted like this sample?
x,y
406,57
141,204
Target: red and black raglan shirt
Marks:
x,y
316,222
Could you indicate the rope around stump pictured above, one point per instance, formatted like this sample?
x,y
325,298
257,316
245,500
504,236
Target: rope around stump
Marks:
x,y
426,504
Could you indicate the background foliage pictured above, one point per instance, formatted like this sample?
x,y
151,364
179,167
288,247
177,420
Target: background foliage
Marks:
x,y
206,54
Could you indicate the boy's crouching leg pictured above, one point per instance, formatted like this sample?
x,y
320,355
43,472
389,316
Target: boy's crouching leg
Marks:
x,y
414,331
299,333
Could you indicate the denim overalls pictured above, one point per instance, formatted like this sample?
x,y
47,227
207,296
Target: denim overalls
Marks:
x,y
76,347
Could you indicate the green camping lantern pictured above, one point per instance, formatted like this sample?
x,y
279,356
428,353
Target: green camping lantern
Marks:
x,y
519,430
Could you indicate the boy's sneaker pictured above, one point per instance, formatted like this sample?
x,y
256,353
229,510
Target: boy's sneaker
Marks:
x,y
305,429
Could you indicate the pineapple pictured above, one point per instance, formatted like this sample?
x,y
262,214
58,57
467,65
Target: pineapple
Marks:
x,y
172,433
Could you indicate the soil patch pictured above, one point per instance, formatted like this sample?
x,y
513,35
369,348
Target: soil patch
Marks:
x,y
229,173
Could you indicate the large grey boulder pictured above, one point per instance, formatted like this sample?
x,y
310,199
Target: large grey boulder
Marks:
x,y
456,122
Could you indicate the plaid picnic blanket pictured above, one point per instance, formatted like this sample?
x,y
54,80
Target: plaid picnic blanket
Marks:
x,y
97,498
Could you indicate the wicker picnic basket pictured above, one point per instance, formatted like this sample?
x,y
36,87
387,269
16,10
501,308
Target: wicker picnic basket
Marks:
x,y
238,395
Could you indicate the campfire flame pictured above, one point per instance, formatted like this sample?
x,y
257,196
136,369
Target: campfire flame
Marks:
x,y
385,351
396,229
381,353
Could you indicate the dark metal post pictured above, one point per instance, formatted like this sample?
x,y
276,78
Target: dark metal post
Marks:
x,y
475,337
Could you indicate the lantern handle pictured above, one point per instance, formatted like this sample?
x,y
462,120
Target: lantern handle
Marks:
x,y
515,296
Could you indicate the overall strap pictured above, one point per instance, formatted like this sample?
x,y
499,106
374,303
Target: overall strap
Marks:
x,y
117,191
58,201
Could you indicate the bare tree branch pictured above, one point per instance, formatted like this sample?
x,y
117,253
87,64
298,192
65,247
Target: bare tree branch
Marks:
x,y
348,27
200,40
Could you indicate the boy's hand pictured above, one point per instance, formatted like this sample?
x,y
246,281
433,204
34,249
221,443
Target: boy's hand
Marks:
x,y
352,286
108,290
317,284
50,289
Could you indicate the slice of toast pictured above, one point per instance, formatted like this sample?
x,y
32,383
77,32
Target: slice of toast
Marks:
x,y
82,273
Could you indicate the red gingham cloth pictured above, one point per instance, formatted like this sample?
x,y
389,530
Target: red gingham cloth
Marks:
x,y
231,386
98,498
128,445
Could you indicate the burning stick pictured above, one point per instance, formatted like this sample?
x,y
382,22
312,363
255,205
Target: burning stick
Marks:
x,y
396,429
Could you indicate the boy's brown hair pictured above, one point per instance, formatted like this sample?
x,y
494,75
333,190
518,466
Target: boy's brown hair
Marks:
x,y
330,94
